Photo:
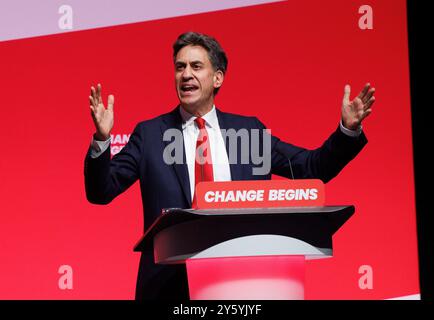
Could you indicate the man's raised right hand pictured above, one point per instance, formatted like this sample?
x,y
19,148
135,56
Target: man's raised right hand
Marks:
x,y
102,118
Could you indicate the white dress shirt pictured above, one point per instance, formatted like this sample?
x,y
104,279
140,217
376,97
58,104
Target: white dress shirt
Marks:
x,y
219,156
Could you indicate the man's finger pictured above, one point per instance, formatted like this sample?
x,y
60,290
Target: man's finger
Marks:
x,y
93,93
92,101
364,91
92,112
347,92
98,92
368,95
365,114
111,102
369,104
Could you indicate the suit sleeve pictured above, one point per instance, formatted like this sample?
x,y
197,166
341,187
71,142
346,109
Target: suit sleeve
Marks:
x,y
323,163
106,178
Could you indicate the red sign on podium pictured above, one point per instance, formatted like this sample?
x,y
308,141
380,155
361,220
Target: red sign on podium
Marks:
x,y
260,194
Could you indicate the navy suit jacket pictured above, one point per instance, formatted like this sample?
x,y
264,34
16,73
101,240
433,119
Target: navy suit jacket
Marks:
x,y
168,186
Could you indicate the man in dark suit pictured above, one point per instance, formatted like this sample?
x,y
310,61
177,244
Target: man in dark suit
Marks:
x,y
200,66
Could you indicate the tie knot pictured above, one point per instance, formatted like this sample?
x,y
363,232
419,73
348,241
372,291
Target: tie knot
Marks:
x,y
200,123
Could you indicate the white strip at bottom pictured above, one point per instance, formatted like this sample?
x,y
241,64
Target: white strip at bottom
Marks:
x,y
409,297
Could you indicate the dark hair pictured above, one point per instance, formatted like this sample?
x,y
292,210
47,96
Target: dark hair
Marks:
x,y
216,55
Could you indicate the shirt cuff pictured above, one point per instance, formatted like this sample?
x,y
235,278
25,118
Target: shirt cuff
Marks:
x,y
97,148
350,133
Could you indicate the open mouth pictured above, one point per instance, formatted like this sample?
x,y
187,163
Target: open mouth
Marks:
x,y
188,89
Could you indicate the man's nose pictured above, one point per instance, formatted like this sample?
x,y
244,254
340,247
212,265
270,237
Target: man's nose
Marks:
x,y
187,74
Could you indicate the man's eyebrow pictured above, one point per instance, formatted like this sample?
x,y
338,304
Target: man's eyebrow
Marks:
x,y
196,62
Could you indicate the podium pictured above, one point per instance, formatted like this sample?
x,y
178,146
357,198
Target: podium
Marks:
x,y
245,253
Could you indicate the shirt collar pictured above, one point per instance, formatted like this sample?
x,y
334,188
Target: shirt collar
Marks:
x,y
210,118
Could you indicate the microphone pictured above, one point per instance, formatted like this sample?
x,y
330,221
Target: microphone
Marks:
x,y
283,153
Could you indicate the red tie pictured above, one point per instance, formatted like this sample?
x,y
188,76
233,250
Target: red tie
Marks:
x,y
203,161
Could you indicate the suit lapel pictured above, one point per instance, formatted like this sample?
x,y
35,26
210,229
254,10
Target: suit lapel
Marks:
x,y
173,120
226,122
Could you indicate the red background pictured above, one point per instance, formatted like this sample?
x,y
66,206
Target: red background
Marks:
x,y
288,64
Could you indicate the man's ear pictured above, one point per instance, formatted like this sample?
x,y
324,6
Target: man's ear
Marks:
x,y
218,78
